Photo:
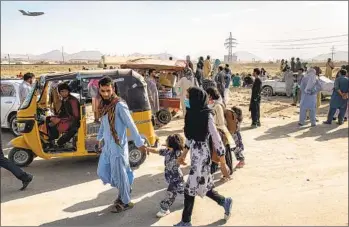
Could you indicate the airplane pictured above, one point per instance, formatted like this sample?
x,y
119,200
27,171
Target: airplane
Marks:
x,y
33,14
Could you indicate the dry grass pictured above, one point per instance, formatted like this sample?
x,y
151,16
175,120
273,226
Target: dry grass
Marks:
x,y
12,70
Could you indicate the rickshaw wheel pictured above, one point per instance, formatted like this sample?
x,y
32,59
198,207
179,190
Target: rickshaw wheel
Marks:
x,y
136,157
164,116
21,157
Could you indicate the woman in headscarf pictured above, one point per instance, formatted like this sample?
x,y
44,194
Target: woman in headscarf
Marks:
x,y
187,81
216,104
310,86
199,127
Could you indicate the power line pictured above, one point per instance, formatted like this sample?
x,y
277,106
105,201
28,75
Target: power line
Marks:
x,y
297,40
300,48
302,44
332,51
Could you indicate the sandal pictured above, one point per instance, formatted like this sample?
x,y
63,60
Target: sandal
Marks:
x,y
226,179
119,207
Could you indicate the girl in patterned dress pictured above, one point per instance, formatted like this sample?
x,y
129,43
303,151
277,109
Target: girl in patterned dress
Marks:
x,y
239,146
199,126
173,173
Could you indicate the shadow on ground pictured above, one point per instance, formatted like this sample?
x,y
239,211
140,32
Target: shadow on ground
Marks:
x,y
321,131
142,185
143,214
49,175
281,131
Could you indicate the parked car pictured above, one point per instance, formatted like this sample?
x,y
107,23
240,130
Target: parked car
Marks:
x,y
278,87
9,104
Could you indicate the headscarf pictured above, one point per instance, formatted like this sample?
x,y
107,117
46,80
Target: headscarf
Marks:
x,y
108,107
196,118
311,75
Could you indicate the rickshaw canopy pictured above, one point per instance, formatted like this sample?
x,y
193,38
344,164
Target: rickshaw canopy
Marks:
x,y
131,86
157,64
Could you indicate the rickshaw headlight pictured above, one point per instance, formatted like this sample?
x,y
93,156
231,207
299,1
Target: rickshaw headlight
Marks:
x,y
25,126
20,126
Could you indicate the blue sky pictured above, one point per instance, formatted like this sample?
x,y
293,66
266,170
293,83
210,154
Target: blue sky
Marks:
x,y
180,28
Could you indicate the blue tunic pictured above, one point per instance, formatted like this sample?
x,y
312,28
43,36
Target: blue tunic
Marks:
x,y
308,101
113,166
341,83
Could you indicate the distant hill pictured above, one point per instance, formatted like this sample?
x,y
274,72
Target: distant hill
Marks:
x,y
338,56
246,56
56,55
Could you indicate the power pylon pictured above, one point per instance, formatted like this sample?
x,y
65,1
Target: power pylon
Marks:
x,y
229,44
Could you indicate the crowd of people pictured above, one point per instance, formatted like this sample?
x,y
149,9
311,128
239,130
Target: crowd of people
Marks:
x,y
305,87
211,130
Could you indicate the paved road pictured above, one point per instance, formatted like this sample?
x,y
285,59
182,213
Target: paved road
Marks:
x,y
293,176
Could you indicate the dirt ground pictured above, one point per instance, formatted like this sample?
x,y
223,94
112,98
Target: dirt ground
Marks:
x,y
294,176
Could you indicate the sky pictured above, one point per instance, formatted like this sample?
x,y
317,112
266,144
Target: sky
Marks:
x,y
177,27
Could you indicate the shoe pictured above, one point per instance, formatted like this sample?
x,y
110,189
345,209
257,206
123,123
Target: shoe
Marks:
x,y
254,126
326,123
163,213
317,120
183,224
345,119
228,204
300,124
26,182
240,165
293,104
339,123
259,124
313,125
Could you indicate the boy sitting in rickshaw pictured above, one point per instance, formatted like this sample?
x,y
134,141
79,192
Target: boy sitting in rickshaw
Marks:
x,y
68,119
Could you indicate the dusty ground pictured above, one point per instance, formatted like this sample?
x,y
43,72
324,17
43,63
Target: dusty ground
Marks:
x,y
293,176
271,68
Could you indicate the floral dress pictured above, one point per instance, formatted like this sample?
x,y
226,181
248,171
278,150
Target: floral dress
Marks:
x,y
200,180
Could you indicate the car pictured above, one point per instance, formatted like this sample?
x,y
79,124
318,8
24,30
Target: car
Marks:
x,y
9,104
272,87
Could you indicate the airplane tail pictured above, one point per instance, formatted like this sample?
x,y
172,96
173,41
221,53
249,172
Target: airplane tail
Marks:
x,y
23,12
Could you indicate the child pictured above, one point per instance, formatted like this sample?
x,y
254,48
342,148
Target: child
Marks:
x,y
173,173
237,138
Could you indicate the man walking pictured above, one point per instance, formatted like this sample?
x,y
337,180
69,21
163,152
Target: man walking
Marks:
x,y
113,166
256,99
339,98
26,178
220,81
207,67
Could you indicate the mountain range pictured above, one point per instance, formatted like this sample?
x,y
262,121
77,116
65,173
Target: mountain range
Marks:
x,y
338,56
56,55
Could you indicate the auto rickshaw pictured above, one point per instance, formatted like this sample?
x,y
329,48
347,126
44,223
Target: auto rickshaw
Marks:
x,y
31,116
169,103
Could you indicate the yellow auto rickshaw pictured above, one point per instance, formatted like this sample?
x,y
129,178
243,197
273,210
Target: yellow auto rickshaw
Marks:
x,y
31,116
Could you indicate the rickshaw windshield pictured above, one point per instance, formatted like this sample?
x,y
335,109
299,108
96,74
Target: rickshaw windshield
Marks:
x,y
29,97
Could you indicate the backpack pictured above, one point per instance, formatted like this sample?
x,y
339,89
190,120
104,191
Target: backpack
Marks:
x,y
232,120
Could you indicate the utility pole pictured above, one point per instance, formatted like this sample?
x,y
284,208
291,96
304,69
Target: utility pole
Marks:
x,y
229,44
63,54
332,51
9,64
